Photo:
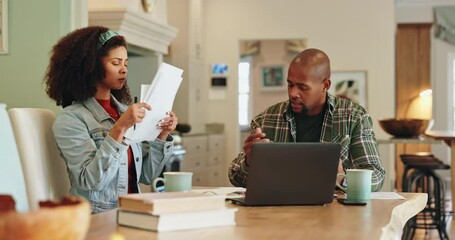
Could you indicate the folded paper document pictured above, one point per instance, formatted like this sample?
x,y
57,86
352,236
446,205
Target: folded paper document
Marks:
x,y
160,96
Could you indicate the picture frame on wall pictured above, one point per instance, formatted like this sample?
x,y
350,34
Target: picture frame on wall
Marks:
x,y
3,26
272,78
219,69
351,85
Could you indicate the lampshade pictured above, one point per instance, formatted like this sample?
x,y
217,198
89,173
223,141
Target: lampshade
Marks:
x,y
11,174
420,106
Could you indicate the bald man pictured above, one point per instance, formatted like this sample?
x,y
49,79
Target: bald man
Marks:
x,y
313,115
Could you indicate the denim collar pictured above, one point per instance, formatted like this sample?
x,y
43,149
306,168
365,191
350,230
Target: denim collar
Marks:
x,y
98,111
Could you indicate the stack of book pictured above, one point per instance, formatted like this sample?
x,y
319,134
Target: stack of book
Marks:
x,y
173,211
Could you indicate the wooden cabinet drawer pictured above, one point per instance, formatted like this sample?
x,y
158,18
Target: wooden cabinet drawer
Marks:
x,y
192,161
216,176
195,144
204,157
215,157
216,142
200,179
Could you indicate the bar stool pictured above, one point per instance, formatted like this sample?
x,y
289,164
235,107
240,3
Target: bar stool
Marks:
x,y
420,176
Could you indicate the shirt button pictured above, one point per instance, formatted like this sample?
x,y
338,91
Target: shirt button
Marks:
x,y
137,159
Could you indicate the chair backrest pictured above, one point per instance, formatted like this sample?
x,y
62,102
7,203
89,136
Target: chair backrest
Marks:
x,y
11,175
45,173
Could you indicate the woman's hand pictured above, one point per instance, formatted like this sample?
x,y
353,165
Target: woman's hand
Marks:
x,y
167,125
134,114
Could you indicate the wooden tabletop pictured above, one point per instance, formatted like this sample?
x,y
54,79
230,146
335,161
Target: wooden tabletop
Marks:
x,y
379,219
414,140
441,134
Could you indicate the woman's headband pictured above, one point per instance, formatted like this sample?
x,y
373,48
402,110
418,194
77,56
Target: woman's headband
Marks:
x,y
104,37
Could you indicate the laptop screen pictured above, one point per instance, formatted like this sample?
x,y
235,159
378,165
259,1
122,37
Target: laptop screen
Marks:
x,y
292,173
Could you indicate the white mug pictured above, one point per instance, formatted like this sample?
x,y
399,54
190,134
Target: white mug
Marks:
x,y
174,182
358,184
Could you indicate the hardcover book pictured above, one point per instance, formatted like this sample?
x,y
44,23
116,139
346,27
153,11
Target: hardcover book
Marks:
x,y
177,221
170,202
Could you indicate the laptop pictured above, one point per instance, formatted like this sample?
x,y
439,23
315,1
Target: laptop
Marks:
x,y
291,174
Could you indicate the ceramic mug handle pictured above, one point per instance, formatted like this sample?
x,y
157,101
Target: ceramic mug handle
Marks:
x,y
338,185
155,188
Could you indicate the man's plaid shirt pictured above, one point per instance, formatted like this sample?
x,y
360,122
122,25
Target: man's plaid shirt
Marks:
x,y
344,122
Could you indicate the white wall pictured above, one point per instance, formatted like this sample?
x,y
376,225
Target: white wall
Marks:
x,y
442,84
356,34
33,28
273,53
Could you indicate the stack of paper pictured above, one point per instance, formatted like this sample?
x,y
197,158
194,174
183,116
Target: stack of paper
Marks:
x,y
160,96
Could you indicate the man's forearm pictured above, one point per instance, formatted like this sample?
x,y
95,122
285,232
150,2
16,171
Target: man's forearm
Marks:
x,y
238,171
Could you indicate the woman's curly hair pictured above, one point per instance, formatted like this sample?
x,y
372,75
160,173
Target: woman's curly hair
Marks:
x,y
76,67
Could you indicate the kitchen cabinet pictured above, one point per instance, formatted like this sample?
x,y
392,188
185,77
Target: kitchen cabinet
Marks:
x,y
204,157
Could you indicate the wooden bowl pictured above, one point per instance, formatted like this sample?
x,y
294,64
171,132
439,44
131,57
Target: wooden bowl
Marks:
x,y
69,219
405,127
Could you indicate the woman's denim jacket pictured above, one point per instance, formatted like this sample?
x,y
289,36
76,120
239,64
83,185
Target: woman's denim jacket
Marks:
x,y
97,164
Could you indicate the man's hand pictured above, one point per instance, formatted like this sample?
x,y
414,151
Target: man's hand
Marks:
x,y
257,136
340,171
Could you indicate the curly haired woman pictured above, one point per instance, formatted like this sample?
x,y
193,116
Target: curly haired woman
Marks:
x,y
87,76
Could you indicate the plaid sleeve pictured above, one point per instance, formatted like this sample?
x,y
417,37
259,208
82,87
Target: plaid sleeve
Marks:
x,y
364,151
238,171
274,126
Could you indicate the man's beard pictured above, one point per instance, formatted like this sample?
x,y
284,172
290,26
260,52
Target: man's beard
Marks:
x,y
303,108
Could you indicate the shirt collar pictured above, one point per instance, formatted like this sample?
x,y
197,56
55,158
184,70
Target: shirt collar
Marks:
x,y
98,111
287,114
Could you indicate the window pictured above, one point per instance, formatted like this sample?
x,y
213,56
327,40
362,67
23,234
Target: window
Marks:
x,y
244,93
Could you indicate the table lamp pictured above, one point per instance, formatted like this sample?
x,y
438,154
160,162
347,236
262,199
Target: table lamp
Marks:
x,y
416,120
420,106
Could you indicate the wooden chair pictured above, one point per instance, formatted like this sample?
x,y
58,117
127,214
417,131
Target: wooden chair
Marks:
x,y
11,174
45,172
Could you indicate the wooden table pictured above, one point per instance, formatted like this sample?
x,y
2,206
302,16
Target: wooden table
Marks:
x,y
449,138
379,219
391,161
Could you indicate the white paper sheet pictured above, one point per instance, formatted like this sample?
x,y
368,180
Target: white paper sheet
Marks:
x,y
160,96
228,192
144,89
386,195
